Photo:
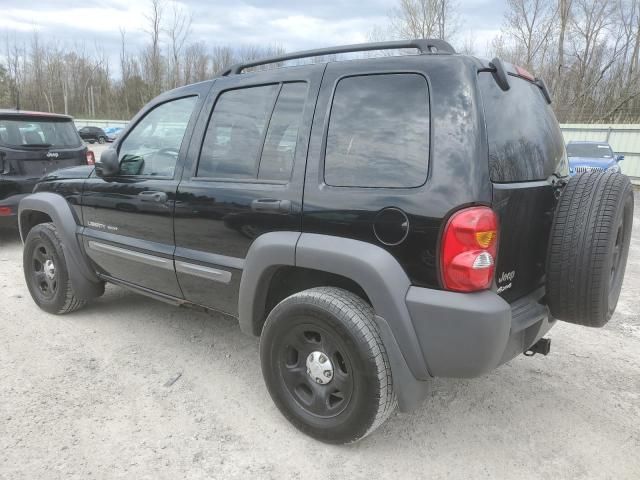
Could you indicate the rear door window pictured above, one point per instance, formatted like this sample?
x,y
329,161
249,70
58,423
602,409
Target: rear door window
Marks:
x,y
253,133
525,141
378,132
235,133
276,162
50,133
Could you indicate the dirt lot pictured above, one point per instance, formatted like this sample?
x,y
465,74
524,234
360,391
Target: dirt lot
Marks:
x,y
94,395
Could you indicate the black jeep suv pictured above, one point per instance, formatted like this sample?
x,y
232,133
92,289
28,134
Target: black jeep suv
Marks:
x,y
376,222
33,144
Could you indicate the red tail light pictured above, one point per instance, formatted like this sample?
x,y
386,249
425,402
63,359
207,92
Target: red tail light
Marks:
x,y
469,246
91,158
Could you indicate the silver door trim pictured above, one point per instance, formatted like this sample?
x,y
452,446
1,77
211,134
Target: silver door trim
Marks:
x,y
222,276
154,261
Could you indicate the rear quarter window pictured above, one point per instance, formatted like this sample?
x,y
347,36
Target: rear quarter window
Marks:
x,y
525,141
378,133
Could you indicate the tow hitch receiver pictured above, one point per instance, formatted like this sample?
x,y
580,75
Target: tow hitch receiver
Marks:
x,y
542,346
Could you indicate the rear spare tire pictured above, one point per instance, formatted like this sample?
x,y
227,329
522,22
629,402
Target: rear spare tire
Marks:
x,y
588,247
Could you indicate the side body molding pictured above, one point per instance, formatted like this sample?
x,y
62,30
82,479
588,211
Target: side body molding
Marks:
x,y
85,282
373,268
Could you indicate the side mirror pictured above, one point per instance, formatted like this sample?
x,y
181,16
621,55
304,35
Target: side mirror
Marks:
x,y
619,158
108,165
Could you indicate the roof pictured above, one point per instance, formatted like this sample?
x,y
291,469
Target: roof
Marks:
x,y
587,142
27,113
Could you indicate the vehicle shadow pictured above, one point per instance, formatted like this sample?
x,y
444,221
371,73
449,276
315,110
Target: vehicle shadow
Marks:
x,y
9,236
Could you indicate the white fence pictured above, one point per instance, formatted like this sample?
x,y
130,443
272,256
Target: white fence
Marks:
x,y
625,139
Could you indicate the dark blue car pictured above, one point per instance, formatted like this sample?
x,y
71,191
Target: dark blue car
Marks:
x,y
587,156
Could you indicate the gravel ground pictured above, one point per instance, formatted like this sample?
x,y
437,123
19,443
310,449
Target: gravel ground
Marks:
x,y
133,388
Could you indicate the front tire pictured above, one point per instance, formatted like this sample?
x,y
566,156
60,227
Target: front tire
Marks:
x,y
45,271
102,140
325,365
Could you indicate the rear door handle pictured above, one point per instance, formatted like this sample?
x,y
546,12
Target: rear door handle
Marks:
x,y
271,205
152,196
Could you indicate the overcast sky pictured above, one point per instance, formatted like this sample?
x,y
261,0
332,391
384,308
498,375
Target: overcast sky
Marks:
x,y
294,24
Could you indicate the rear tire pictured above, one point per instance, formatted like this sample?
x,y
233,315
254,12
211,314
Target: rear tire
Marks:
x,y
325,365
45,271
588,247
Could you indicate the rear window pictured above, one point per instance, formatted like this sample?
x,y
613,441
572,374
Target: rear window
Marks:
x,y
525,141
378,132
52,133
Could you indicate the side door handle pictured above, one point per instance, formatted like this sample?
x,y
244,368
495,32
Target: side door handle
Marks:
x,y
271,205
153,196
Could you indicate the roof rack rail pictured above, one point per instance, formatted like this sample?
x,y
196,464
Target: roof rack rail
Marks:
x,y
424,45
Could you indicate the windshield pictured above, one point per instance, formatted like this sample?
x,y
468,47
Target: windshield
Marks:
x,y
589,150
46,132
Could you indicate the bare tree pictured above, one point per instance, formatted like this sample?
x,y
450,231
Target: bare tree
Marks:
x,y
529,23
563,17
425,19
153,55
178,31
634,29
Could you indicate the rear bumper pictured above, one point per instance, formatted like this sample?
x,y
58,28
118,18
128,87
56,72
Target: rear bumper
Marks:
x,y
469,334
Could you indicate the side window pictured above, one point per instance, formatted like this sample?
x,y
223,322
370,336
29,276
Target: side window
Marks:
x,y
152,147
378,132
235,133
279,149
246,140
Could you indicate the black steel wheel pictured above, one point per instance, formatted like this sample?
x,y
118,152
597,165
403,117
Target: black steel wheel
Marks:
x,y
325,365
45,271
316,369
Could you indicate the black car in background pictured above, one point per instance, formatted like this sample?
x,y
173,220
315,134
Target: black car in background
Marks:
x,y
32,145
93,134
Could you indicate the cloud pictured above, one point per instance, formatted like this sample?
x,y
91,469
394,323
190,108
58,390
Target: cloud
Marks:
x,y
293,24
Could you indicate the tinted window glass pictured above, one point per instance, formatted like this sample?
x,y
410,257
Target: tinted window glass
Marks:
x,y
589,150
235,132
152,147
378,132
39,132
525,141
280,144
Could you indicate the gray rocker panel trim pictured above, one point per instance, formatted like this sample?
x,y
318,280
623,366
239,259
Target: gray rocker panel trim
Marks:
x,y
208,273
373,268
132,255
85,282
